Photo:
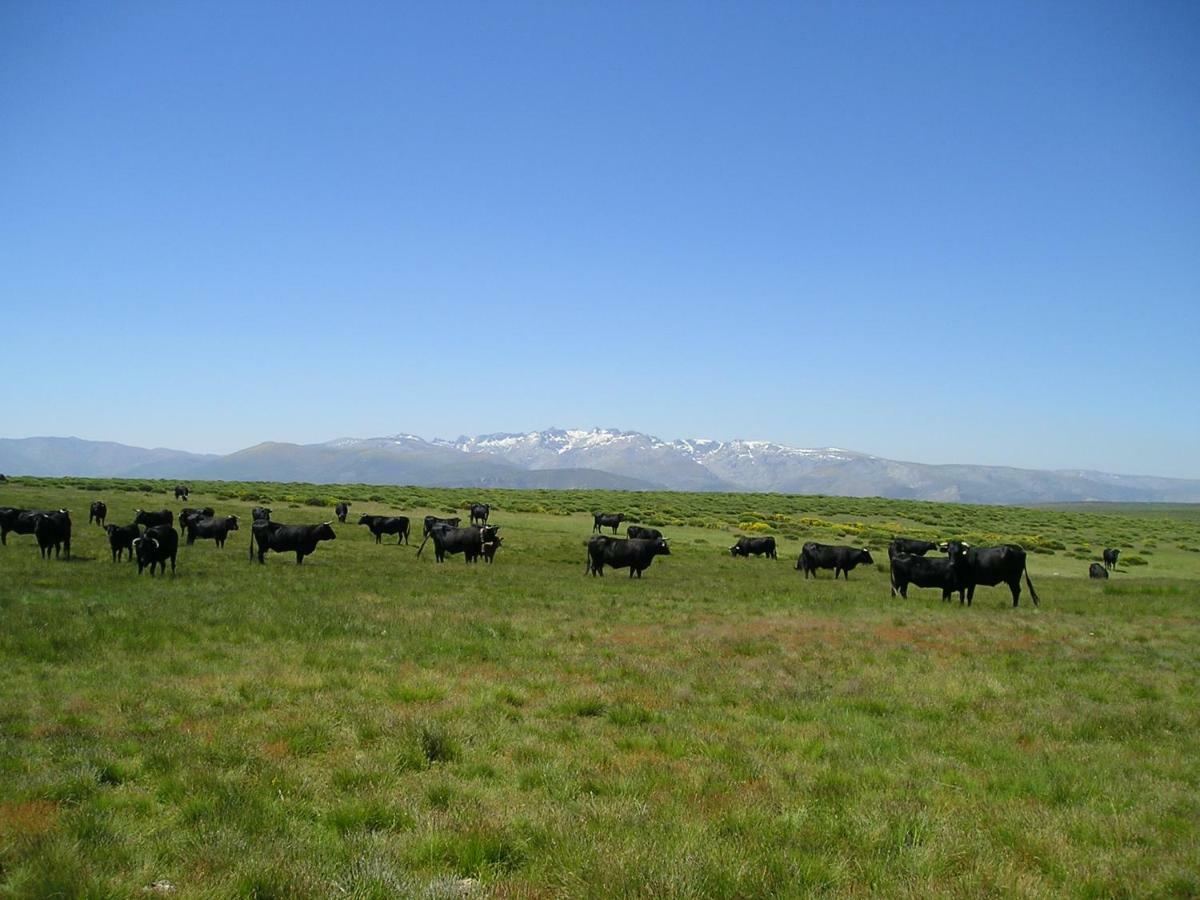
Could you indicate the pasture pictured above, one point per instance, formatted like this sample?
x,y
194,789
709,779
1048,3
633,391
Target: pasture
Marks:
x,y
371,724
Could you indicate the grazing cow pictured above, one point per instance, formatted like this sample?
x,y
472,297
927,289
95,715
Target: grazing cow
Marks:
x,y
341,510
479,513
21,521
935,572
209,527
989,566
300,539
640,531
471,541
607,520
430,521
98,513
841,559
121,538
149,519
181,492
53,531
911,547
158,544
756,545
262,513
381,525
634,554
1095,570
1110,557
187,515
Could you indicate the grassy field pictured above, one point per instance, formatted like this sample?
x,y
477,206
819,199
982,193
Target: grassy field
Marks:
x,y
374,725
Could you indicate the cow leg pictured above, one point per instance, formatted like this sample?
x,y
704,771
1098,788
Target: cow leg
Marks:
x,y
1015,587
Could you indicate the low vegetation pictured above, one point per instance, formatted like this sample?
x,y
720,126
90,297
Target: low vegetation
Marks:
x,y
372,724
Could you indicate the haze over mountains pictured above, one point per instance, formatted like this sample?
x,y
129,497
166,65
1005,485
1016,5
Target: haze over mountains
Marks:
x,y
596,458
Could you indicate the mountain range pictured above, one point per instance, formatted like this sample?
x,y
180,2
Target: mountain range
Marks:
x,y
595,458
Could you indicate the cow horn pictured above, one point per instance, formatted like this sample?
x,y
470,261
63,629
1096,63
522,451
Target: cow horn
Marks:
x,y
964,543
330,522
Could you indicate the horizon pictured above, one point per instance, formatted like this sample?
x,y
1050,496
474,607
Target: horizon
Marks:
x,y
946,234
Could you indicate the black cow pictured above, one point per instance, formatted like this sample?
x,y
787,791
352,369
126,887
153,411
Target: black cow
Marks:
x,y
121,538
158,544
98,513
430,521
187,515
53,531
21,521
479,513
640,531
150,519
341,510
756,545
1110,557
935,572
489,549
471,541
260,513
1095,570
181,493
209,527
381,525
911,547
607,520
841,559
634,554
300,539
989,566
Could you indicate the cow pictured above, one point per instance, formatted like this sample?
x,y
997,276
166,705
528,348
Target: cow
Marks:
x,y
97,513
341,510
489,550
430,521
635,554
471,541
640,531
756,545
156,545
181,492
149,519
187,515
989,566
121,538
300,539
21,521
479,513
607,520
262,513
53,531
841,559
909,546
1110,557
210,527
932,572
2,478
1095,570
381,525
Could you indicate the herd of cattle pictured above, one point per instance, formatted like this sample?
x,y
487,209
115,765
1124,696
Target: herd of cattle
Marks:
x,y
151,540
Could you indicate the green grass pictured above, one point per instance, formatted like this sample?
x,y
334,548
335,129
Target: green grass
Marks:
x,y
374,725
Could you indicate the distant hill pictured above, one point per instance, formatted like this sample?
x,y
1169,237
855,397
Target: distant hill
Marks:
x,y
595,458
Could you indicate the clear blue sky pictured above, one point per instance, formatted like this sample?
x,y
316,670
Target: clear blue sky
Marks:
x,y
940,232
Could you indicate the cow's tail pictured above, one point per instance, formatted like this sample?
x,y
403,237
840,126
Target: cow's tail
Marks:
x,y
1032,592
422,547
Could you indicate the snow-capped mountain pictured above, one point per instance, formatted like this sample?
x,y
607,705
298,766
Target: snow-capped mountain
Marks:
x,y
595,458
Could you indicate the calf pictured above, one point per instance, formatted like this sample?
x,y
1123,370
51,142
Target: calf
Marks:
x,y
121,538
606,520
381,525
98,513
754,545
211,528
841,559
299,539
158,544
